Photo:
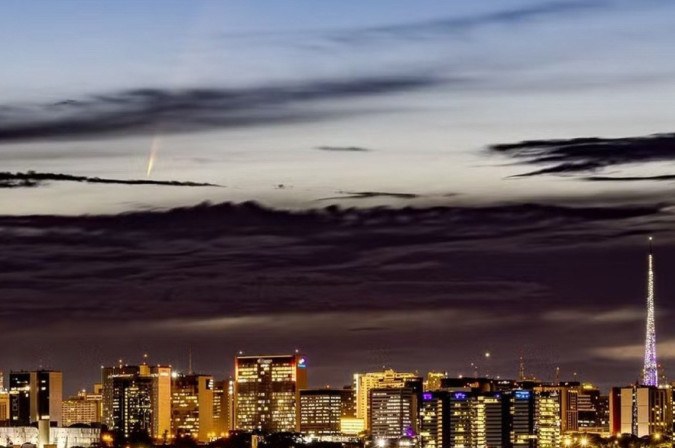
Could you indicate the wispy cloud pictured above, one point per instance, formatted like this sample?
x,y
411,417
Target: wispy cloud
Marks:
x,y
34,179
370,195
343,148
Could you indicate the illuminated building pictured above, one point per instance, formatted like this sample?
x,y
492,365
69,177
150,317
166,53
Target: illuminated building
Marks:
x,y
348,402
4,407
589,409
161,401
137,399
351,426
192,406
434,419
650,375
489,421
393,413
267,392
223,410
569,403
321,411
35,395
365,382
641,410
434,381
459,429
547,420
82,408
522,414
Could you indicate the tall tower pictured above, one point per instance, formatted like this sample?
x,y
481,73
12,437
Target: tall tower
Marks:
x,y
650,370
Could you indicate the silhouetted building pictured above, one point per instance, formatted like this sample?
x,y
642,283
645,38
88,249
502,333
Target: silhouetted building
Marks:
x,y
35,395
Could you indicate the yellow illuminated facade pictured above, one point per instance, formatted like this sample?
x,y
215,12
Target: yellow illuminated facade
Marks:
x,y
487,421
83,408
267,392
351,426
365,382
433,420
192,406
547,420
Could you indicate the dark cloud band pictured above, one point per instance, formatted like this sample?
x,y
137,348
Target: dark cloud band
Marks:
x,y
33,179
174,111
581,155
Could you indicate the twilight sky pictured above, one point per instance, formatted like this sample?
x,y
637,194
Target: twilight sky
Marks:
x,y
411,184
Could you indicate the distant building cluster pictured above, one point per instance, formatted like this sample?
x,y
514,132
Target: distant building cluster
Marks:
x,y
270,394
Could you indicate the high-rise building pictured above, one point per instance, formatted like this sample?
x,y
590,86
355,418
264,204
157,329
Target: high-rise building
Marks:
x,y
489,421
137,399
19,399
568,394
4,407
393,413
321,411
459,429
522,411
365,382
589,409
641,410
650,374
34,396
267,392
161,401
434,419
84,408
220,408
547,420
192,406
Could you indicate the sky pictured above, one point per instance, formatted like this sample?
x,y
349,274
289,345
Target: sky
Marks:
x,y
409,184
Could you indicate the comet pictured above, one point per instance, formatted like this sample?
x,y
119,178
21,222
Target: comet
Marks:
x,y
154,149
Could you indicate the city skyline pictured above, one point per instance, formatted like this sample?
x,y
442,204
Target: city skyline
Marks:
x,y
411,185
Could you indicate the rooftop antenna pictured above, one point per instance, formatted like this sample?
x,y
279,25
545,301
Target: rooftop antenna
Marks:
x,y
190,360
521,369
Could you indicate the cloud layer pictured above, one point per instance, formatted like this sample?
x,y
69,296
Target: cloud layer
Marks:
x,y
240,276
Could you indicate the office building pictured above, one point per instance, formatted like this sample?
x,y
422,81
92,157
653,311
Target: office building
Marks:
x,y
35,395
393,413
459,429
569,403
365,382
267,392
522,411
84,408
223,410
434,419
4,407
589,409
641,410
489,421
547,419
137,399
321,411
192,406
